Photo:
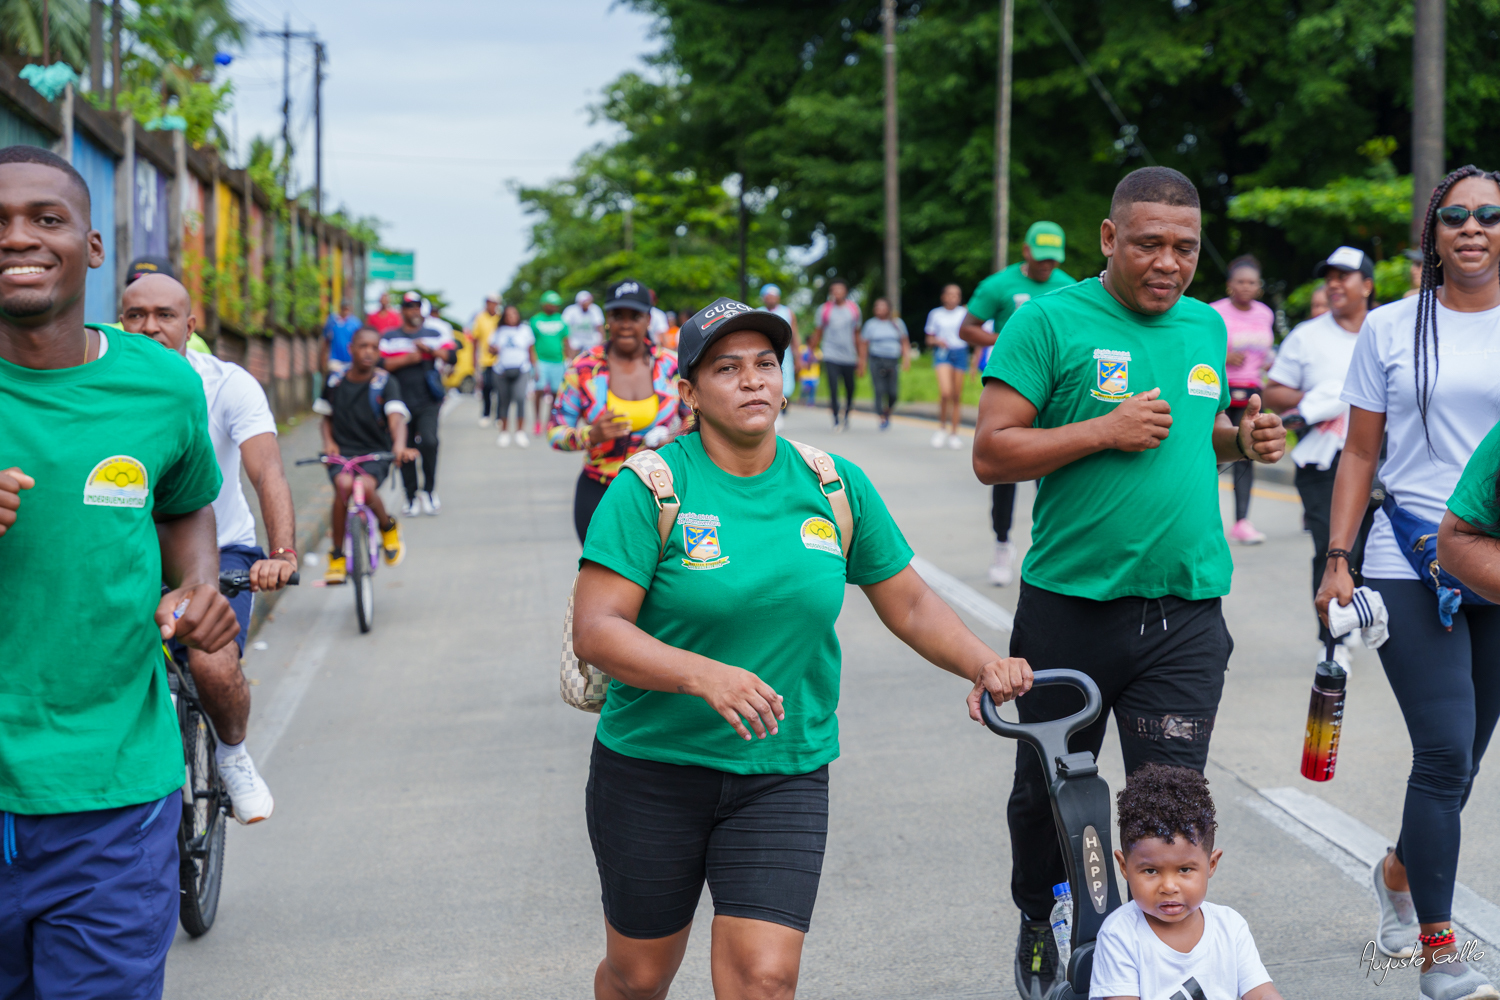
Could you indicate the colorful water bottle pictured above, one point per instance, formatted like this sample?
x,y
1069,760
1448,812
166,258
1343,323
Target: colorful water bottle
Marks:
x,y
1325,717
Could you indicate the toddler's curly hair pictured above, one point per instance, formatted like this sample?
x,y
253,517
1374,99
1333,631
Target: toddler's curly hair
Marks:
x,y
1166,802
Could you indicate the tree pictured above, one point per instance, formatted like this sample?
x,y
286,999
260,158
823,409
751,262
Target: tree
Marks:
x,y
68,30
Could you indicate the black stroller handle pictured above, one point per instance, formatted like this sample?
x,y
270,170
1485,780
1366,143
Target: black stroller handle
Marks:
x,y
1049,738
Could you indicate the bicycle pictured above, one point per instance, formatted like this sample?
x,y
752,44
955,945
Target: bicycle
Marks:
x,y
361,548
205,800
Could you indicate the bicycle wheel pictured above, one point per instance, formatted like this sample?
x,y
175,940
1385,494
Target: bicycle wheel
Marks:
x,y
200,840
360,575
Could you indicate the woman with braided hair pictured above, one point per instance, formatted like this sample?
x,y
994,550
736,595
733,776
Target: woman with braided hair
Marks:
x,y
1424,373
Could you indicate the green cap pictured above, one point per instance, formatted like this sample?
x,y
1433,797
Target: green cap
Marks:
x,y
1046,241
551,298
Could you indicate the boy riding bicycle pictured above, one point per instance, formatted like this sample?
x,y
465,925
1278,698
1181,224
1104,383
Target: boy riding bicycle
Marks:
x,y
363,412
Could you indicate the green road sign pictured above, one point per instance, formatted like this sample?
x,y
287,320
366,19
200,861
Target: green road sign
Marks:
x,y
387,265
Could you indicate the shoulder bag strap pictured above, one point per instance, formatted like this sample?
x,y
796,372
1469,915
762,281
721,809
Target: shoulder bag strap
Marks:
x,y
657,476
823,467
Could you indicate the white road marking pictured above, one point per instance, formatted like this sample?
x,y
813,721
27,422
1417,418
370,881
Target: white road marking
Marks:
x,y
962,597
1360,847
270,724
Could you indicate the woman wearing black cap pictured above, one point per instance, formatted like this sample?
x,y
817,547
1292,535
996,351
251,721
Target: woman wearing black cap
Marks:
x,y
711,756
616,399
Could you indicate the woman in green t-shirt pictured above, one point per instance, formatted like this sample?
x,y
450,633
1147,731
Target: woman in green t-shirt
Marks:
x,y
1468,542
711,756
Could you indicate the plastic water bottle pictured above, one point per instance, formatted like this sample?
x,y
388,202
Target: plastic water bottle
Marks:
x,y
1062,925
1325,717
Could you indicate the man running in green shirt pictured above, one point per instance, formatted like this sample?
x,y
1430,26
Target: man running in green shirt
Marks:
x,y
994,302
1112,393
552,354
107,476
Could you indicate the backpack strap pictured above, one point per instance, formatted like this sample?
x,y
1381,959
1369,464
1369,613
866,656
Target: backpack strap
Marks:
x,y
657,476
822,466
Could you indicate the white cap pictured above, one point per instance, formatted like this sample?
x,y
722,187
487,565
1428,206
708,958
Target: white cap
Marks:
x,y
584,296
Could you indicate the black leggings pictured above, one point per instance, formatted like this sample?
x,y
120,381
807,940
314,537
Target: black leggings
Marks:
x,y
885,376
487,389
1448,687
839,373
510,390
1244,473
422,434
1159,664
586,497
1002,509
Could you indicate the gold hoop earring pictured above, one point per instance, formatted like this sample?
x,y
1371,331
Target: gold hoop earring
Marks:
x,y
784,401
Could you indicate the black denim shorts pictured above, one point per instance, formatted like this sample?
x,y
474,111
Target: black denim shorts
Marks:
x,y
660,830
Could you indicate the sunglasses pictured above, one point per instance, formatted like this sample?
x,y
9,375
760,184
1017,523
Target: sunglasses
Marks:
x,y
1454,216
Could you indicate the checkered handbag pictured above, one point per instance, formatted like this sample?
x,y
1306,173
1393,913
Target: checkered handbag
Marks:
x,y
581,683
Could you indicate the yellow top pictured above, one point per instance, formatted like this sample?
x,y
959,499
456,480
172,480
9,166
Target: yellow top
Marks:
x,y
640,412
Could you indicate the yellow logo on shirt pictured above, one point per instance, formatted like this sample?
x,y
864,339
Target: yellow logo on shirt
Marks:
x,y
1203,381
118,481
819,533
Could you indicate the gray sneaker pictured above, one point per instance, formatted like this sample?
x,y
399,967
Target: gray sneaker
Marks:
x,y
1397,934
1456,981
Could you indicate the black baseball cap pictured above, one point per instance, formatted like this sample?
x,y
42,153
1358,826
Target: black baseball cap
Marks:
x,y
411,299
148,265
1347,259
722,317
628,294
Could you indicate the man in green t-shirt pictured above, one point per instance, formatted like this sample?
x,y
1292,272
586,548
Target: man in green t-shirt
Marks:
x,y
107,476
1112,393
995,301
552,354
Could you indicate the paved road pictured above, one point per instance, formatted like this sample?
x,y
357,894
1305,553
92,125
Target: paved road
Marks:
x,y
429,837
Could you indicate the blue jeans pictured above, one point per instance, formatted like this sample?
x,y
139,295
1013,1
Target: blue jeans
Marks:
x,y
88,902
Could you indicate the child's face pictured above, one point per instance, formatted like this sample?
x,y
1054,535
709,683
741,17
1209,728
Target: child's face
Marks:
x,y
1167,881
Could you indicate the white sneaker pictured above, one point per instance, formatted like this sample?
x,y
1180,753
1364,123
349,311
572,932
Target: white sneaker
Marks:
x,y
503,441
430,503
247,789
939,438
1001,574
412,509
955,442
485,421
522,441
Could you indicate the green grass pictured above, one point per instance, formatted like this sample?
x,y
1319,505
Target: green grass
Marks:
x,y
917,386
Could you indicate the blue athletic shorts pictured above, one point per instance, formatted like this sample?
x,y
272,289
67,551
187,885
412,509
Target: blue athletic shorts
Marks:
x,y
88,902
241,557
958,357
549,376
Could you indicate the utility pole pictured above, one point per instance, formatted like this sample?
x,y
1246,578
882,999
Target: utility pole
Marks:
x,y
286,103
892,178
116,25
96,47
1429,24
318,54
1002,135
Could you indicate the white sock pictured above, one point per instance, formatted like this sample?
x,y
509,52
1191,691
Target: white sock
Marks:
x,y
224,751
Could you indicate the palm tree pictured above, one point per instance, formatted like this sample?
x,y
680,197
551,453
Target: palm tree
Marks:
x,y
68,29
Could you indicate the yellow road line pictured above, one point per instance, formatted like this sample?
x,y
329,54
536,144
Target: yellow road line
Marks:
x,y
1256,491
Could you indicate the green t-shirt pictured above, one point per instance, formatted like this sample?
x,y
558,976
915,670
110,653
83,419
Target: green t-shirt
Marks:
x,y
1473,498
86,720
1002,293
1120,524
754,577
550,333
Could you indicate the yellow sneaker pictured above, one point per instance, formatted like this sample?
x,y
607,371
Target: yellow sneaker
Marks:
x,y
336,573
390,541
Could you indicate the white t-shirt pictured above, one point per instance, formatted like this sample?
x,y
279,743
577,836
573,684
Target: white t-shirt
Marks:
x,y
511,344
944,323
1314,358
659,324
237,412
1465,406
1131,961
585,326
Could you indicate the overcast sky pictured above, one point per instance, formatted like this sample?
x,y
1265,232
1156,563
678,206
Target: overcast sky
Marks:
x,y
431,108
